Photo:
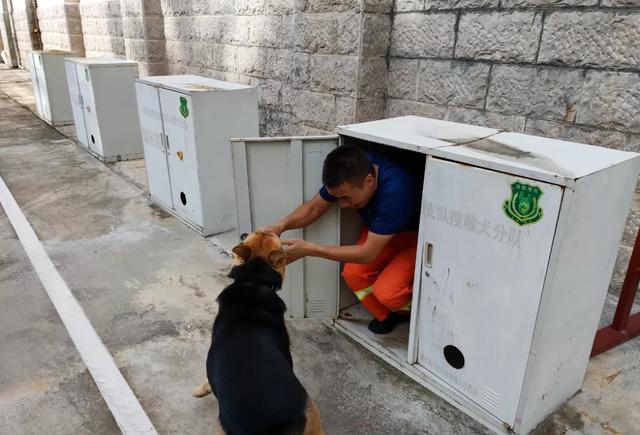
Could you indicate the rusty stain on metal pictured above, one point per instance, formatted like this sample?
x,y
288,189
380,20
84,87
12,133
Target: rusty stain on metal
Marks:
x,y
493,147
509,152
460,140
196,87
180,155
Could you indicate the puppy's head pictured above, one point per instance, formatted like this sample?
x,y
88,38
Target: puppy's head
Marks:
x,y
262,245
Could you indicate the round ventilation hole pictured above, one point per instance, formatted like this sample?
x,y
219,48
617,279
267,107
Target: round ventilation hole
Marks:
x,y
93,139
183,198
454,357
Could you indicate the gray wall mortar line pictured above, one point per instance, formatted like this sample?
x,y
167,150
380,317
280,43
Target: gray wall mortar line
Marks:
x,y
544,15
522,64
359,62
486,94
456,27
524,9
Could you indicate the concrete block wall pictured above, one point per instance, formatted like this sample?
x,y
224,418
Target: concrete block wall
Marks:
x,y
559,68
566,69
102,28
9,55
307,58
144,37
60,25
26,29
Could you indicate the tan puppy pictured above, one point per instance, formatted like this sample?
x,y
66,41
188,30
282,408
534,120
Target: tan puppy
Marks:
x,y
256,259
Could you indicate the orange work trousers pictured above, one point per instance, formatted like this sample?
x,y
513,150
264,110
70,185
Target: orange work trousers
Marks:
x,y
385,284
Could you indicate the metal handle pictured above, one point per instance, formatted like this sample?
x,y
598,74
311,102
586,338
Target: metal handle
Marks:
x,y
166,138
428,255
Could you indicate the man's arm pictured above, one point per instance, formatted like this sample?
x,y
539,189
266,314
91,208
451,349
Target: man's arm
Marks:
x,y
362,254
305,215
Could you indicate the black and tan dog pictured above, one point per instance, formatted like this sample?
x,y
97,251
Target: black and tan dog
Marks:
x,y
249,364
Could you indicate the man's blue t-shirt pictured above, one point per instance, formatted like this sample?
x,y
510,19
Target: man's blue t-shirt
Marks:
x,y
395,206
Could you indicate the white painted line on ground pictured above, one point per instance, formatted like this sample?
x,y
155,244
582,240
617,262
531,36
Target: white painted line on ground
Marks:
x,y
124,405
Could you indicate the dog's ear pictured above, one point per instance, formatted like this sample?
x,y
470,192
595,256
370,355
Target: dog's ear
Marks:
x,y
243,251
277,258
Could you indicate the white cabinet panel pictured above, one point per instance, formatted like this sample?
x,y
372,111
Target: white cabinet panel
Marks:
x,y
181,154
108,117
94,141
153,140
274,176
189,171
50,86
77,106
482,277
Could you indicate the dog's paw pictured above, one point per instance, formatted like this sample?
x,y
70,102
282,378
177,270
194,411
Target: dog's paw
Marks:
x,y
201,390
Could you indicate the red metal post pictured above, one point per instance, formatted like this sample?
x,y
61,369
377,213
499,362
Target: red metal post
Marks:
x,y
625,326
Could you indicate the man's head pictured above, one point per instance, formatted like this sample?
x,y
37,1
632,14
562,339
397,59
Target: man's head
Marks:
x,y
349,175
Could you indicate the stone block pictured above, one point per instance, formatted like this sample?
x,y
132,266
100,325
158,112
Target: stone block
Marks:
x,y
370,109
372,81
333,6
484,118
600,39
317,33
546,3
212,28
251,61
511,36
460,4
633,143
345,110
376,34
575,133
403,78
611,100
453,83
409,5
396,107
348,34
312,108
264,31
420,35
249,7
541,92
333,74
378,6
285,7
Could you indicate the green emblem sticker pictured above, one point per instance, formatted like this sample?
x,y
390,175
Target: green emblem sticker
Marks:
x,y
524,206
184,110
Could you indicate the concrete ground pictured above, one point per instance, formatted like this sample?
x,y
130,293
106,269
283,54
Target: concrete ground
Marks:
x,y
148,285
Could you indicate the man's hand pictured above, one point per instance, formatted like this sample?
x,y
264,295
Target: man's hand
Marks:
x,y
277,229
296,249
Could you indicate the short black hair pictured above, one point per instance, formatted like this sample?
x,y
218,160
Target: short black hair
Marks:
x,y
346,164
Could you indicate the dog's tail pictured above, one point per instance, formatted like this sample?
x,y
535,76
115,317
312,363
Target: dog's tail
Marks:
x,y
201,390
313,426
